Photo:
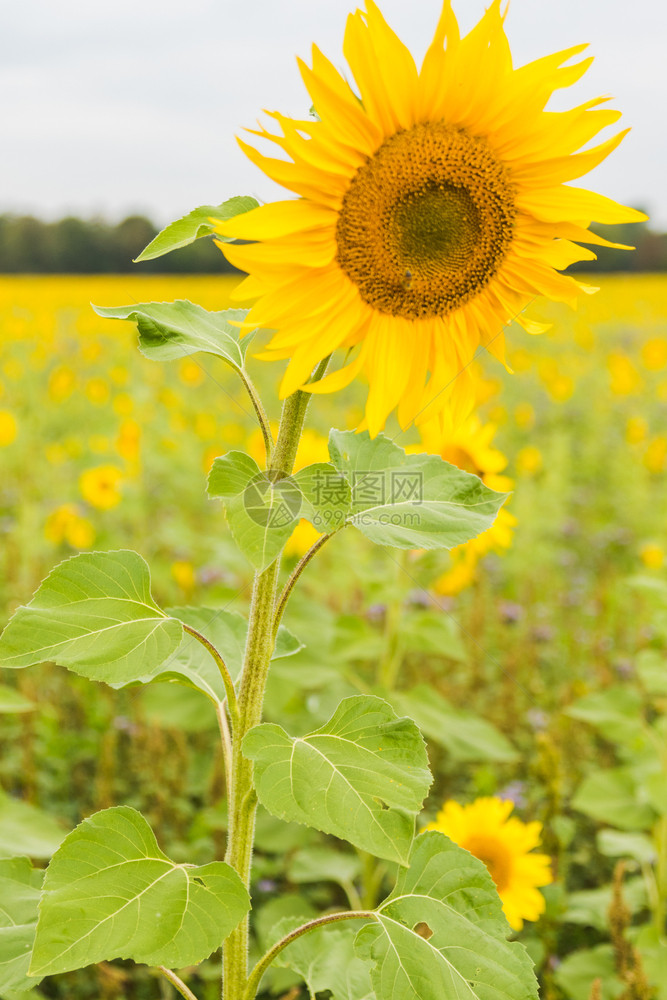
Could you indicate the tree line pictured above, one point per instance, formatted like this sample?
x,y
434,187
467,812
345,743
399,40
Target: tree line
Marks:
x,y
93,246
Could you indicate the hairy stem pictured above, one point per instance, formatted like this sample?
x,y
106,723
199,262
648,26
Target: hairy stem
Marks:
x,y
294,576
177,983
262,418
259,648
222,667
265,961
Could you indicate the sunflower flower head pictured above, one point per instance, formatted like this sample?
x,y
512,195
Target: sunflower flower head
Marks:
x,y
432,207
504,843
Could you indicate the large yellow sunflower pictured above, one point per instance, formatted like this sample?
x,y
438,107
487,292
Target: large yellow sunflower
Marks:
x,y
503,842
432,209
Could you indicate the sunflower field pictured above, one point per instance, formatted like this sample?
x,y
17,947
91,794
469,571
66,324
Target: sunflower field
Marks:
x,y
534,664
348,682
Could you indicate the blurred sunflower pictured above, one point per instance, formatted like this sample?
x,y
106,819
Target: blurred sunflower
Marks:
x,y
101,486
432,209
503,843
469,446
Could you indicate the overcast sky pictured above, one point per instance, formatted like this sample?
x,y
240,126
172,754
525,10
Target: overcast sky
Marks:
x,y
112,106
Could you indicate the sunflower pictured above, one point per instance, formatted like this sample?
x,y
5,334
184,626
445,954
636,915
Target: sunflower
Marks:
x,y
503,843
432,209
469,446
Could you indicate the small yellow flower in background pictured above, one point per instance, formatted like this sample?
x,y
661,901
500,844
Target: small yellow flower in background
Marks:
x,y
67,524
655,456
624,377
183,573
123,404
206,426
529,460
461,573
434,206
128,442
654,354
119,375
524,416
560,388
661,392
101,486
13,369
190,373
636,430
503,842
8,428
62,383
652,555
97,391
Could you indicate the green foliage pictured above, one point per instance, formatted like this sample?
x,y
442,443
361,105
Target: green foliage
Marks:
x,y
193,664
463,734
362,776
110,892
260,513
20,886
193,226
443,506
12,702
172,330
325,959
94,614
441,932
26,828
93,246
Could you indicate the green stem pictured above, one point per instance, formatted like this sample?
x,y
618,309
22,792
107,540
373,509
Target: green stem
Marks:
x,y
177,983
294,576
391,658
262,418
265,961
222,667
259,648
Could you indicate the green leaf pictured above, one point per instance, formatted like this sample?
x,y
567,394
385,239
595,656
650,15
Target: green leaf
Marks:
x,y
618,844
362,776
261,513
410,501
12,701
326,496
325,960
323,864
172,330
430,630
614,797
110,892
651,667
577,972
194,225
463,734
441,932
590,907
95,615
192,663
19,895
616,713
28,829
